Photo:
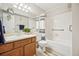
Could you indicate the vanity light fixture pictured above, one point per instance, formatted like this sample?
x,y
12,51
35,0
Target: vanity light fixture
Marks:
x,y
22,6
15,6
25,6
19,7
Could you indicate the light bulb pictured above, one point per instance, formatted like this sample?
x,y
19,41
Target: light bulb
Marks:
x,y
15,6
25,6
21,4
19,7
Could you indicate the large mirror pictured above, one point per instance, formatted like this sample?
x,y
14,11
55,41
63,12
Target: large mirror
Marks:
x,y
11,22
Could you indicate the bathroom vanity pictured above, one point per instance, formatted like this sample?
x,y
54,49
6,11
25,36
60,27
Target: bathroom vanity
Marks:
x,y
25,46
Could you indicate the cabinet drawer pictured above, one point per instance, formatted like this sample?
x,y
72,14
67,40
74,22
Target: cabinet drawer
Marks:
x,y
22,43
33,39
6,47
15,52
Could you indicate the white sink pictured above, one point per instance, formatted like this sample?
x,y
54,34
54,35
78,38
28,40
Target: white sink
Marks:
x,y
13,36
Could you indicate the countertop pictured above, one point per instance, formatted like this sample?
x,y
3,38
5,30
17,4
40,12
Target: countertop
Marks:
x,y
18,37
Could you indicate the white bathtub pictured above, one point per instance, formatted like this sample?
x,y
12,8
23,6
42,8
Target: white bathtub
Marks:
x,y
59,47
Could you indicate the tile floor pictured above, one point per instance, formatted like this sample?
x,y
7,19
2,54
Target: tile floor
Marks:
x,y
39,52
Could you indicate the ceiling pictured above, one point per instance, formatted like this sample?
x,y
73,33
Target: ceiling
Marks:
x,y
48,6
37,8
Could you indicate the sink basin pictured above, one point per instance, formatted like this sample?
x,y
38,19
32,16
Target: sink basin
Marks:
x,y
13,36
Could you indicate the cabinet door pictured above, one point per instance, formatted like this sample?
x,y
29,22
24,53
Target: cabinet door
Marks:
x,y
6,47
15,52
30,49
22,43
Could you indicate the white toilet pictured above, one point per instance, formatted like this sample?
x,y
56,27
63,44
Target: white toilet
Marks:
x,y
42,44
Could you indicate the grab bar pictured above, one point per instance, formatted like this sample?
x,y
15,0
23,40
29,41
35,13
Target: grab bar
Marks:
x,y
57,29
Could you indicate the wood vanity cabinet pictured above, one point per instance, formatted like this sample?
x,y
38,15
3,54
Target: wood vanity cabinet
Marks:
x,y
24,47
15,52
30,49
6,47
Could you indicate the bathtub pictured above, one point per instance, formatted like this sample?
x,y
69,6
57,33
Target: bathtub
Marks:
x,y
59,48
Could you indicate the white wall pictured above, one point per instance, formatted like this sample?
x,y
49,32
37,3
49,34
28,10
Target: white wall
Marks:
x,y
75,38
60,41
63,38
48,27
